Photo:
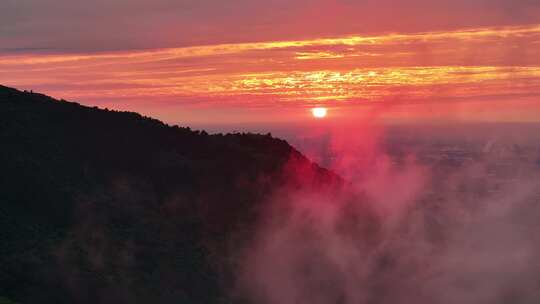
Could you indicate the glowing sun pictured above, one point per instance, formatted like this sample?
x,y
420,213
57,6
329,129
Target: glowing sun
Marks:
x,y
319,112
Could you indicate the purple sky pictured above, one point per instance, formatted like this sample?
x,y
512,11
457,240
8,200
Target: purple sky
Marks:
x,y
101,25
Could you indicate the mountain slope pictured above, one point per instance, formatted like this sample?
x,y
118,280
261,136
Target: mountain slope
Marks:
x,y
99,206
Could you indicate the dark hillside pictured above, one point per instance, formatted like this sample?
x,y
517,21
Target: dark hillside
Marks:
x,y
100,206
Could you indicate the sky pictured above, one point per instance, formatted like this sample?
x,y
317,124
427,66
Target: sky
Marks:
x,y
204,62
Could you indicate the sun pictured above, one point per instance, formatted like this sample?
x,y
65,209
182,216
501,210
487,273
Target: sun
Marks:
x,y
319,112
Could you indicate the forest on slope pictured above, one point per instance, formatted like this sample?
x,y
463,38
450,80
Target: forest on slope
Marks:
x,y
100,206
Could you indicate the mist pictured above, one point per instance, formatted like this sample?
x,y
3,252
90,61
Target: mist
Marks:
x,y
439,216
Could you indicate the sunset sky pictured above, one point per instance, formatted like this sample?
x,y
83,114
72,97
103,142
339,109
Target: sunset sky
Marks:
x,y
217,62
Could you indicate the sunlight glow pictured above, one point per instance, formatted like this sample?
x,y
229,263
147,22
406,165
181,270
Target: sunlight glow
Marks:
x,y
319,112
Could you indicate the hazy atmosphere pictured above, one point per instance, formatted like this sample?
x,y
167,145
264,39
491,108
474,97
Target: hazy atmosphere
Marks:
x,y
269,152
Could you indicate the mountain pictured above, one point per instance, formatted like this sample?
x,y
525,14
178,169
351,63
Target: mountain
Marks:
x,y
100,206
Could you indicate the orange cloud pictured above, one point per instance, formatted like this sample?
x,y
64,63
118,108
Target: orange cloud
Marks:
x,y
469,64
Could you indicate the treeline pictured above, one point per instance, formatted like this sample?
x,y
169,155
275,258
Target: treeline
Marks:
x,y
101,206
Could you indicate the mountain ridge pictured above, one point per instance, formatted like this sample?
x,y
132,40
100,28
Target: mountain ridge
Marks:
x,y
101,206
